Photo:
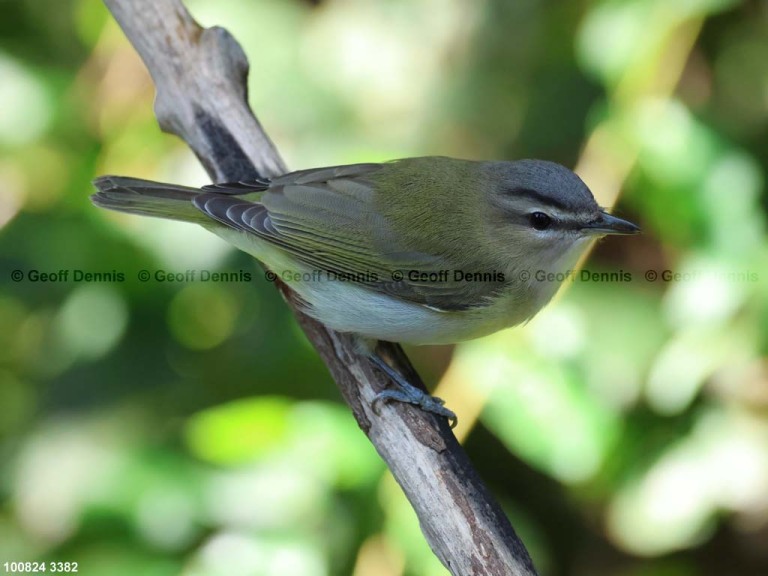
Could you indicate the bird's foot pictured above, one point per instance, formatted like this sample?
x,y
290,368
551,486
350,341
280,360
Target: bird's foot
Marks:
x,y
409,393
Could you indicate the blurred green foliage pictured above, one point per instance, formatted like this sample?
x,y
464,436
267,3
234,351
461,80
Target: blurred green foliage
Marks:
x,y
187,427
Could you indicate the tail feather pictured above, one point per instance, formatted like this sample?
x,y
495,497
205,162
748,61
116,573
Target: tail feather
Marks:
x,y
148,198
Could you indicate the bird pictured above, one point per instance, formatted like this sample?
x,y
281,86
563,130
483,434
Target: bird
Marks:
x,y
427,250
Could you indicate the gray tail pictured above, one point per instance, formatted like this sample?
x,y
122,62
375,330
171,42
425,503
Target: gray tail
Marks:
x,y
147,198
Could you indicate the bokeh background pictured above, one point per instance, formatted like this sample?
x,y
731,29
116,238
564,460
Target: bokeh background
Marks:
x,y
187,427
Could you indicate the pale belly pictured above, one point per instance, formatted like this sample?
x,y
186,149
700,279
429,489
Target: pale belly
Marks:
x,y
349,307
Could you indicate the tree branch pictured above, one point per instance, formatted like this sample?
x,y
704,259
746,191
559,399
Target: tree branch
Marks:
x,y
200,76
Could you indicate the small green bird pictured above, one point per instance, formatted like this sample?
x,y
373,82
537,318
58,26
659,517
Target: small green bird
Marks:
x,y
426,250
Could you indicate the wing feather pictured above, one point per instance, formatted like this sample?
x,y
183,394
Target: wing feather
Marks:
x,y
298,211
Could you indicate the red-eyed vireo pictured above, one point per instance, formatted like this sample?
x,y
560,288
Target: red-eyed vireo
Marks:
x,y
422,250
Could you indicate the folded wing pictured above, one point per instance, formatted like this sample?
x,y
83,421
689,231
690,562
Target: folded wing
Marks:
x,y
326,219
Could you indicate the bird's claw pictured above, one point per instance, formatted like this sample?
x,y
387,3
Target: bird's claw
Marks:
x,y
409,393
421,399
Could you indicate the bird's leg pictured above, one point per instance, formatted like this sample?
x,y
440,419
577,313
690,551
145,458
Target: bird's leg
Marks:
x,y
408,393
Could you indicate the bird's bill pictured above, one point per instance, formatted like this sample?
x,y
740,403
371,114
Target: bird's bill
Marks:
x,y
609,224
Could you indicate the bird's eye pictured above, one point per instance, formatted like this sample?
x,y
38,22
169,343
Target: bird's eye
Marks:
x,y
539,220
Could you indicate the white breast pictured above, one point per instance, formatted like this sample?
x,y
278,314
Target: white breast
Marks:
x,y
350,307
